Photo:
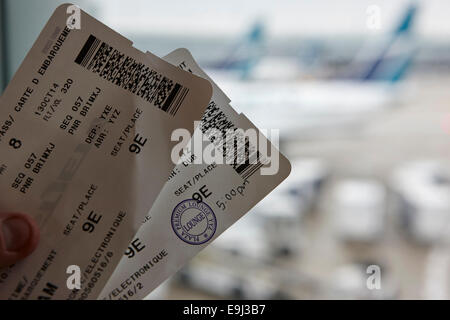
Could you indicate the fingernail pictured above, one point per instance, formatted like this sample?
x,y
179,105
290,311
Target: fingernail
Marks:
x,y
16,233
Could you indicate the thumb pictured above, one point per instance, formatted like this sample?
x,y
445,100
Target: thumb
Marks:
x,y
19,236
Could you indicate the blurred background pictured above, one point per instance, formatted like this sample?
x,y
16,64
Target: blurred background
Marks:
x,y
359,91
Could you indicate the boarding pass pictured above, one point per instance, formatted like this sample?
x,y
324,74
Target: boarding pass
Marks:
x,y
198,203
85,146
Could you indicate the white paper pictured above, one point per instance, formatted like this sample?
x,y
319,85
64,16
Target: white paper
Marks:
x,y
85,144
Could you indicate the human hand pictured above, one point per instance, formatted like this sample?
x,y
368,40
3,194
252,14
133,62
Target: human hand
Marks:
x,y
19,236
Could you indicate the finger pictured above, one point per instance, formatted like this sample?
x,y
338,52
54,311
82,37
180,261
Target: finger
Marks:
x,y
19,236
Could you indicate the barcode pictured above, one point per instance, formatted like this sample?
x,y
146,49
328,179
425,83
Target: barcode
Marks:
x,y
244,158
248,161
135,77
87,51
246,171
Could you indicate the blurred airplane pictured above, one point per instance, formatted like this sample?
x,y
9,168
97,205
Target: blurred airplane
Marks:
x,y
276,99
245,55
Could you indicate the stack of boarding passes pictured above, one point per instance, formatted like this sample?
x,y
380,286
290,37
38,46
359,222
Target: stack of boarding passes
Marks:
x,y
130,164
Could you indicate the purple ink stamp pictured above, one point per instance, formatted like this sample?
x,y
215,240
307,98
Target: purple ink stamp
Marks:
x,y
194,222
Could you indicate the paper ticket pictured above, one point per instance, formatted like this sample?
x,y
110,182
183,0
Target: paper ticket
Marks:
x,y
85,141
197,204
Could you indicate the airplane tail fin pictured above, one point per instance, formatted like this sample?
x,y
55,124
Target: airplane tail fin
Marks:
x,y
396,56
246,53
